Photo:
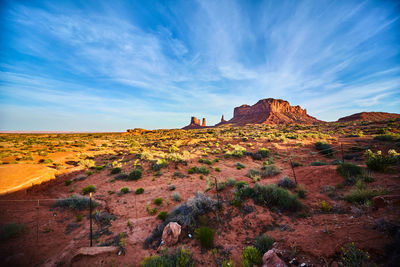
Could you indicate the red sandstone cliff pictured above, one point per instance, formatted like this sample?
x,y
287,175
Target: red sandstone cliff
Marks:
x,y
270,111
370,116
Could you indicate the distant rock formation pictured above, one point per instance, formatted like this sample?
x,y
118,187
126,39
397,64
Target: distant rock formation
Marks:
x,y
196,124
370,116
270,111
223,119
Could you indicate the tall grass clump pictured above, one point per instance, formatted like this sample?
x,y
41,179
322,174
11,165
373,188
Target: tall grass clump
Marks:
x,y
325,149
263,243
354,257
180,258
206,236
12,230
88,189
251,256
75,202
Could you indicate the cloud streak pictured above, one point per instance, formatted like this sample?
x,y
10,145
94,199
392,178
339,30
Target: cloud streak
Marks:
x,y
137,64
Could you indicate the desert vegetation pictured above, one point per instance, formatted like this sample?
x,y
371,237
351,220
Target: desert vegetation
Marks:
x,y
236,192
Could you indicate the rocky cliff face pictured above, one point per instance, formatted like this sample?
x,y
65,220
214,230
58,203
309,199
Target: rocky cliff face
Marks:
x,y
195,124
370,116
270,111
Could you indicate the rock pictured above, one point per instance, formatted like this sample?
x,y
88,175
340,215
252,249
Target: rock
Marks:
x,y
93,251
270,259
195,124
294,261
204,122
270,111
370,116
171,234
223,119
379,202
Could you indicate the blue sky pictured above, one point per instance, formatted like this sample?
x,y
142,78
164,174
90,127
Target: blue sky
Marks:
x,y
113,65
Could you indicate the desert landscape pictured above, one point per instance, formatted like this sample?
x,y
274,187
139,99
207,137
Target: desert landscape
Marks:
x,y
199,133
314,194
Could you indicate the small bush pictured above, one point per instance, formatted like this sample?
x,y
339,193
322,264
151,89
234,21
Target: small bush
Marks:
x,y
151,211
301,192
121,176
88,189
124,190
325,206
270,170
159,164
239,165
12,230
75,202
205,161
139,191
158,201
295,164
318,163
354,257
115,170
181,258
178,174
195,169
388,138
79,217
379,162
231,182
251,256
254,174
162,215
363,195
206,236
324,149
68,182
172,187
217,169
263,243
271,195
221,186
176,197
135,174
286,182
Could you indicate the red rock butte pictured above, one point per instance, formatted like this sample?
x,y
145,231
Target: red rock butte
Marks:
x,y
370,116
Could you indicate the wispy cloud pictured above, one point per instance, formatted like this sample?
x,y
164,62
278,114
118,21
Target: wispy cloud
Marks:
x,y
139,64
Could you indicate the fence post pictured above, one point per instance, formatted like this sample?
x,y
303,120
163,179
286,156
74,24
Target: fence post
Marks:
x,y
37,223
90,217
294,174
341,146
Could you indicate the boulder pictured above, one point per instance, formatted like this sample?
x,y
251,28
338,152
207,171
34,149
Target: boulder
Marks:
x,y
270,259
171,234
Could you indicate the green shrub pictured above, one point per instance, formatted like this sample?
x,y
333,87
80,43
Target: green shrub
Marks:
x,y
251,256
159,164
205,161
172,187
295,163
349,170
325,206
181,258
221,186
363,195
354,257
273,196
139,191
254,174
325,149
176,197
115,170
379,162
178,174
239,165
301,192
195,169
88,189
206,236
217,169
135,174
318,163
286,182
270,170
158,201
68,182
79,217
151,211
124,190
162,215
12,230
388,137
75,202
263,243
228,263
240,185
230,182
121,176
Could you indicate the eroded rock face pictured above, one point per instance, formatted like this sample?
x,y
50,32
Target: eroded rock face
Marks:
x,y
370,116
195,123
271,111
204,122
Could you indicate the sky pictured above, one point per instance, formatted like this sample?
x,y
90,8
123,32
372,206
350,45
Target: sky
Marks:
x,y
115,65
